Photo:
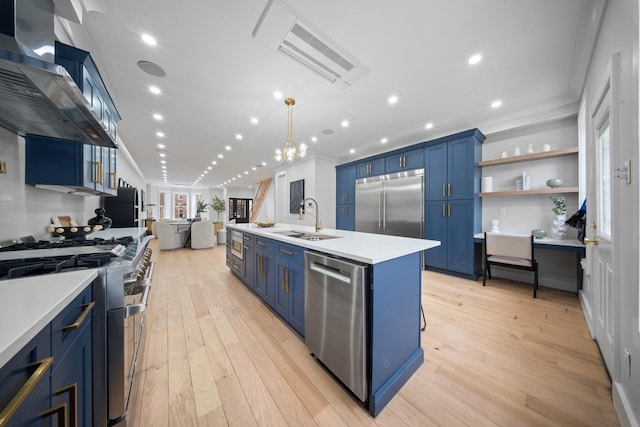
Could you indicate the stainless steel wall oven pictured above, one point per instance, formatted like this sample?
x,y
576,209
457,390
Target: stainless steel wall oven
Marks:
x,y
236,244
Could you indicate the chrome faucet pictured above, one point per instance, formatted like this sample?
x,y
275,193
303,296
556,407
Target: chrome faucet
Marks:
x,y
316,216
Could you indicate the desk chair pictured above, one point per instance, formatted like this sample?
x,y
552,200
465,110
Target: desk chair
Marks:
x,y
511,251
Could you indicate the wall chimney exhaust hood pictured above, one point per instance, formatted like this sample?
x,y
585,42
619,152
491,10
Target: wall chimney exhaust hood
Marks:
x,y
37,96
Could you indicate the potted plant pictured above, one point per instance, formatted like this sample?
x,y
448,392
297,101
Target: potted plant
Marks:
x,y
558,228
200,207
217,204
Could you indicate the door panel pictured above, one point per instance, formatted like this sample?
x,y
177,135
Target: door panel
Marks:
x,y
402,207
368,212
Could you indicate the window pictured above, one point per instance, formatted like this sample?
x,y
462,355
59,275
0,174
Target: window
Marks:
x,y
196,197
164,205
240,209
180,205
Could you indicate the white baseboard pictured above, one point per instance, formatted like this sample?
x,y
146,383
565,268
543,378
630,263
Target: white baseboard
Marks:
x,y
623,407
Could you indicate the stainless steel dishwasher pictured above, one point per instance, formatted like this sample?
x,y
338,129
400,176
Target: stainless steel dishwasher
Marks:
x,y
334,318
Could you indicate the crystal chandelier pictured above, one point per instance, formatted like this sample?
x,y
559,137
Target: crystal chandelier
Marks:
x,y
290,151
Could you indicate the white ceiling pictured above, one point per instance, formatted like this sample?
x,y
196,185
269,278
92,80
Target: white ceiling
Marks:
x,y
218,76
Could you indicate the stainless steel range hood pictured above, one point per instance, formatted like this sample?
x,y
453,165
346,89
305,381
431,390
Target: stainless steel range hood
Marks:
x,y
36,96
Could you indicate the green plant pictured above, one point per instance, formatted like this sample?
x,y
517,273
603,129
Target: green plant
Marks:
x,y
201,206
559,206
217,204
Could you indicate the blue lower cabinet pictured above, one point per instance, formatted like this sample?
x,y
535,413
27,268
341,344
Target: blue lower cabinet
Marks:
x,y
249,266
346,217
289,302
265,270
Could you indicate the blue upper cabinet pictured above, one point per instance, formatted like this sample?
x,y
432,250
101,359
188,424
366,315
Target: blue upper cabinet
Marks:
x,y
372,167
452,170
69,167
405,161
345,184
85,74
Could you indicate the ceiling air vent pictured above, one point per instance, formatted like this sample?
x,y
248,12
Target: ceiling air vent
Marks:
x,y
280,28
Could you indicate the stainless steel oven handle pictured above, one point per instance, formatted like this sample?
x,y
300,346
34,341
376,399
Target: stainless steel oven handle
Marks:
x,y
133,309
149,275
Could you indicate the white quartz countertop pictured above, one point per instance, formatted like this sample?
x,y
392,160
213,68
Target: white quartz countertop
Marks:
x,y
364,247
27,305
116,233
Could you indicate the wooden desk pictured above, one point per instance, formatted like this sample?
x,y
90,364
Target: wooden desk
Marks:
x,y
556,245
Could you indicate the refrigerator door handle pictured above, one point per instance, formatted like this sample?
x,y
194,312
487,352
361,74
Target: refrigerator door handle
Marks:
x,y
384,209
379,210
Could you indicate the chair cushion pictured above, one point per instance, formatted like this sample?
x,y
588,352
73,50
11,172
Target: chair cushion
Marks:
x,y
511,261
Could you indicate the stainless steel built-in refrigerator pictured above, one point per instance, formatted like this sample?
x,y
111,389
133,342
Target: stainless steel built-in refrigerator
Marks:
x,y
391,204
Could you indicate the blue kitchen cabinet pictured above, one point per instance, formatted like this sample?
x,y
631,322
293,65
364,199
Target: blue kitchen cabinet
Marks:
x,y
452,170
265,270
346,217
33,361
59,359
370,167
69,166
452,205
405,160
248,259
289,295
345,197
85,74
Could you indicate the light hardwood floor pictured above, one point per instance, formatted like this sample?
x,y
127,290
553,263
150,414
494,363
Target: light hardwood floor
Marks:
x,y
215,355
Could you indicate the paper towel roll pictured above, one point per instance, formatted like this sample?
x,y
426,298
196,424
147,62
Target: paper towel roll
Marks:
x,y
487,184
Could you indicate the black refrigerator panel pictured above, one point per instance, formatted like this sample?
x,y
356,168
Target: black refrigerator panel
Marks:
x,y
123,208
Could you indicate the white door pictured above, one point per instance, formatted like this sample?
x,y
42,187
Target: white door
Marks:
x,y
602,155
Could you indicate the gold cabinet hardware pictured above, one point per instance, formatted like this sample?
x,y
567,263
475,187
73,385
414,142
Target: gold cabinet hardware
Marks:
x,y
113,180
286,280
286,252
448,190
595,241
448,210
404,161
23,393
262,243
85,312
72,390
245,247
443,207
443,190
594,225
95,176
260,265
99,177
61,411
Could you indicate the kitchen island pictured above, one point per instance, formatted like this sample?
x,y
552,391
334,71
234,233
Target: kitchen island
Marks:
x,y
392,290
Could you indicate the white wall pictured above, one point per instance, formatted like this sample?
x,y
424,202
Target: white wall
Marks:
x,y
319,183
27,210
521,214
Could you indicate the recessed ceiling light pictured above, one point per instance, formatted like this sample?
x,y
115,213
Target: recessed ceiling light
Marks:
x,y
428,125
392,99
163,161
314,139
164,166
234,178
345,123
161,146
239,176
206,171
264,163
475,59
246,172
209,167
213,162
352,151
383,140
155,90
254,168
148,39
157,116
160,134
163,155
227,147
277,94
238,136
254,120
220,156
496,104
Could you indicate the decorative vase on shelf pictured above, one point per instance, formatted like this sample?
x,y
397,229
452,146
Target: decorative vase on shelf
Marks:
x,y
558,228
530,149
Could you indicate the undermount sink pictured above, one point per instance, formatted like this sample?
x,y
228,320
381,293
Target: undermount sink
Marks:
x,y
306,236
